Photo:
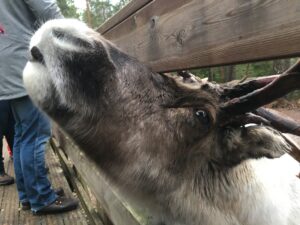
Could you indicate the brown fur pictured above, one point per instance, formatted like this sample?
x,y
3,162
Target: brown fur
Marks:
x,y
143,131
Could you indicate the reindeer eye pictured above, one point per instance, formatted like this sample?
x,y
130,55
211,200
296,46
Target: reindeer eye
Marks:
x,y
202,116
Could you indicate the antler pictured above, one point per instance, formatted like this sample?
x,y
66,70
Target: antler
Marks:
x,y
243,102
271,89
247,87
249,96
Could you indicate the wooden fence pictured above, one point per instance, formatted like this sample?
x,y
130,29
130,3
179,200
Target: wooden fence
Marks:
x,y
170,35
177,34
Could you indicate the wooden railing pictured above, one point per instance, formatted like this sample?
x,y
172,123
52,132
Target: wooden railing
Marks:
x,y
173,35
170,35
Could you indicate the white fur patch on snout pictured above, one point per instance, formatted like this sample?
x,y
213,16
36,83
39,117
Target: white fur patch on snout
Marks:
x,y
72,27
36,80
68,46
55,40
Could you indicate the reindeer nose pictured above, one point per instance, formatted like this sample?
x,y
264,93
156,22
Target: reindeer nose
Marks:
x,y
36,55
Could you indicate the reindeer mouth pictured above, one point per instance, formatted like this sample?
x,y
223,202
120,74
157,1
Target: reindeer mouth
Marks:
x,y
242,104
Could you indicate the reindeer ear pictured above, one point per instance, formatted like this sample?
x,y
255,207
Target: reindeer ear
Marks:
x,y
187,80
251,143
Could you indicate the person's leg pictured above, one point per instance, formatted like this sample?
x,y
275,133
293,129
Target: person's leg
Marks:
x,y
5,179
17,160
3,121
2,170
10,131
4,112
32,131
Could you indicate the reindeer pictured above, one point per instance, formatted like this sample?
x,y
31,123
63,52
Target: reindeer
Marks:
x,y
177,146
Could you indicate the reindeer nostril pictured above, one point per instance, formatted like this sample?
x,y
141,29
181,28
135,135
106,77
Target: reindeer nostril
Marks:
x,y
36,55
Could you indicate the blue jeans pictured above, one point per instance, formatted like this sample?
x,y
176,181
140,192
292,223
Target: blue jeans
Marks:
x,y
32,131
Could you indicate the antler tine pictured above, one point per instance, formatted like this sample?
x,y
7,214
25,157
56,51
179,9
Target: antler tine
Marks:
x,y
247,87
285,83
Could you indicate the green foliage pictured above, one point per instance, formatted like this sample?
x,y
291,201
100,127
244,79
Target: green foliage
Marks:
x,y
121,4
264,68
101,10
241,71
68,8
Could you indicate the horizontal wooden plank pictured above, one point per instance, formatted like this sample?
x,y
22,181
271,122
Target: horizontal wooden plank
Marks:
x,y
119,212
179,34
123,14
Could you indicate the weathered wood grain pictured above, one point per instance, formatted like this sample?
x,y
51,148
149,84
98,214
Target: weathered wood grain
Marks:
x,y
67,167
116,208
123,14
179,34
10,209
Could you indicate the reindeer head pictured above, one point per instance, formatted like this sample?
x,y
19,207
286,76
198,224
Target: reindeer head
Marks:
x,y
126,116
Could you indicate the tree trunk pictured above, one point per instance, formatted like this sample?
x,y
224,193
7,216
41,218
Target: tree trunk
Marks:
x,y
227,73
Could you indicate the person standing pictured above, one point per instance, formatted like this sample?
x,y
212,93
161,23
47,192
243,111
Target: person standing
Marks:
x,y
19,19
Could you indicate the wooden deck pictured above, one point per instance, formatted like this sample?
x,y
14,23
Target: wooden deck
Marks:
x,y
11,213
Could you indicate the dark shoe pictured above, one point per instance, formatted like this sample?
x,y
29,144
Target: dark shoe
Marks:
x,y
58,191
25,206
6,179
47,169
60,205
